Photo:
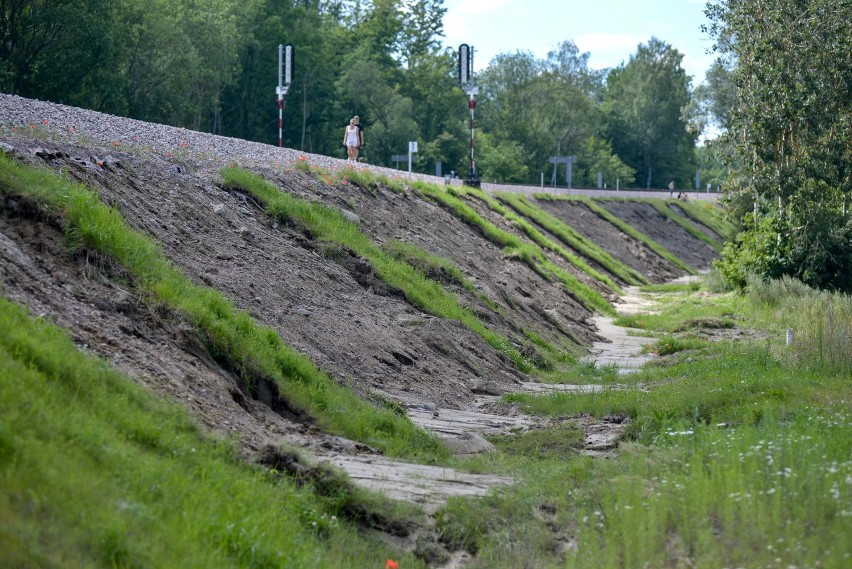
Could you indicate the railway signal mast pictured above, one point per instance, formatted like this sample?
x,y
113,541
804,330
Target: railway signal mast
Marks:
x,y
467,83
285,78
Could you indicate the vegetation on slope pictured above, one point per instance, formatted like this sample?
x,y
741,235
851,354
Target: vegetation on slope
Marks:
x,y
231,336
662,207
573,239
523,223
709,215
741,453
529,253
625,227
330,225
95,472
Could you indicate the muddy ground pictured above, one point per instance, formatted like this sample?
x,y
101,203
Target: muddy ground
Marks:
x,y
325,302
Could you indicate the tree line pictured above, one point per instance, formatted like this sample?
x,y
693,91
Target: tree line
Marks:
x,y
211,65
780,93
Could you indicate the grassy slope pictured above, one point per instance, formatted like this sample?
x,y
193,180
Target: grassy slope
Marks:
x,y
530,253
708,214
625,227
94,472
232,337
573,239
107,476
663,208
328,224
523,222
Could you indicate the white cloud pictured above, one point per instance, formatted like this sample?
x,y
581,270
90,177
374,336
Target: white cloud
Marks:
x,y
608,49
604,41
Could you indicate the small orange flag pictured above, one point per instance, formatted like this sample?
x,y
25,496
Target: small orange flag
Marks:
x,y
391,564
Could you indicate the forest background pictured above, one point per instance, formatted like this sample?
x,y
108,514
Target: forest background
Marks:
x,y
780,94
211,65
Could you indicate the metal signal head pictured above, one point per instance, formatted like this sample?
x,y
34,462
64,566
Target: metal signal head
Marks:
x,y
288,63
465,64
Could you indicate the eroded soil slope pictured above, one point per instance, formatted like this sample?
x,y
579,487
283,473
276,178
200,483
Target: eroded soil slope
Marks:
x,y
664,231
621,246
322,300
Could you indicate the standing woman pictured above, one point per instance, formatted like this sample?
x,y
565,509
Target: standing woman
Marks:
x,y
357,120
350,140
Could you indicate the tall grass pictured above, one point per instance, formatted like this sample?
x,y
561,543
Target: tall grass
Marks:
x,y
95,472
821,321
741,458
328,224
232,336
774,494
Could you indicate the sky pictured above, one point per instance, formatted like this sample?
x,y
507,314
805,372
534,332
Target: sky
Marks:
x,y
610,30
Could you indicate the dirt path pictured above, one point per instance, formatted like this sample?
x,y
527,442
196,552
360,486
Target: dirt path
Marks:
x,y
622,346
464,430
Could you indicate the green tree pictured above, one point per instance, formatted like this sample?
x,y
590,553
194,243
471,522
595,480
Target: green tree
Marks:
x,y
49,48
545,107
312,109
440,110
789,138
644,101
388,114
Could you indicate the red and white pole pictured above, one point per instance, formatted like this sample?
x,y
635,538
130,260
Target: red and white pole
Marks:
x,y
280,119
472,174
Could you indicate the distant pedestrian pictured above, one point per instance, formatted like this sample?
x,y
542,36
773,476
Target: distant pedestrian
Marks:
x,y
671,188
350,141
357,120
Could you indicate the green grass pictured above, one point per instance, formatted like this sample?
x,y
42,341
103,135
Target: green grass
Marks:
x,y
674,309
741,459
328,224
349,174
691,286
520,221
573,239
821,322
662,206
231,336
554,443
512,245
625,227
708,214
95,472
434,267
